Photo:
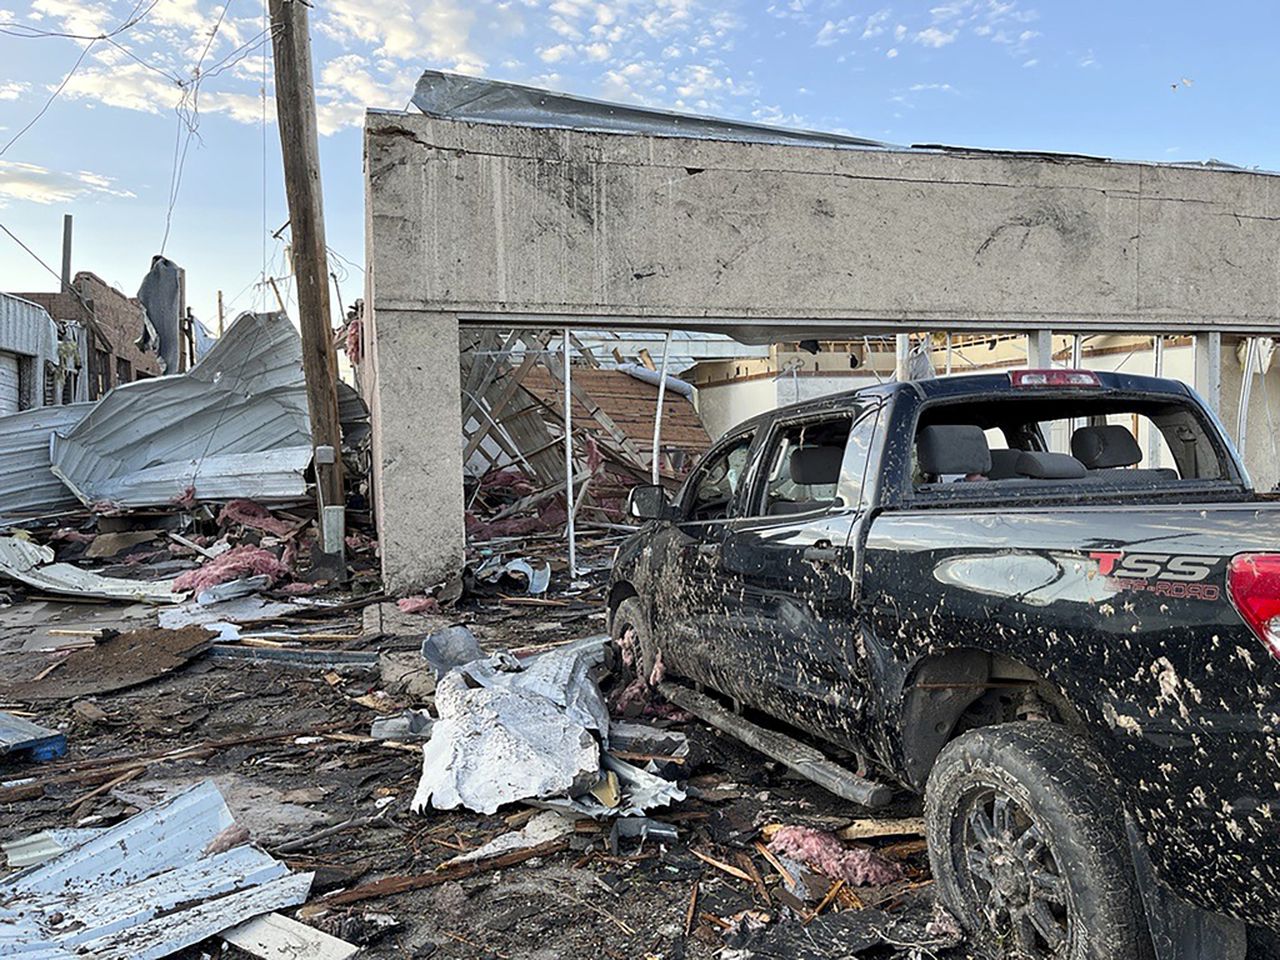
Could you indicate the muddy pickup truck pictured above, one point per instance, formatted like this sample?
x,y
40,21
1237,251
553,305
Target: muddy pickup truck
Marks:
x,y
1048,600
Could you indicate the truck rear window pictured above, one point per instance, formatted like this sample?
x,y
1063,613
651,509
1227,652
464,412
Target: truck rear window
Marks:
x,y
1110,442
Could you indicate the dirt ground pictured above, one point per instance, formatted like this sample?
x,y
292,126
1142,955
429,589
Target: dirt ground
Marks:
x,y
289,747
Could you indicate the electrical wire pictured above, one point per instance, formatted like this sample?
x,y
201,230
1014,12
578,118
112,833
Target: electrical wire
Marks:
x,y
52,97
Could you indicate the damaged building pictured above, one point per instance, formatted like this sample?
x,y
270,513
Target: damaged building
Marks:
x,y
499,207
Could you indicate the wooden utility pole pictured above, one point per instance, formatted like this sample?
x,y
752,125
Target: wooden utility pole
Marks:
x,y
221,315
300,148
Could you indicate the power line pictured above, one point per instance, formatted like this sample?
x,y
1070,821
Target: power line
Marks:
x,y
52,97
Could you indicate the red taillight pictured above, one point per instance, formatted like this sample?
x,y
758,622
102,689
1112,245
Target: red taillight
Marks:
x,y
1053,378
1253,583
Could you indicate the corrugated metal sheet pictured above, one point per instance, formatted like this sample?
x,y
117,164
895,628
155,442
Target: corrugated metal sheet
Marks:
x,y
28,487
145,888
45,845
19,735
32,564
9,383
149,442
26,328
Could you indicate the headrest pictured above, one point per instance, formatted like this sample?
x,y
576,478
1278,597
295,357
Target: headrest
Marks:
x,y
1004,464
816,465
1101,447
1049,466
953,449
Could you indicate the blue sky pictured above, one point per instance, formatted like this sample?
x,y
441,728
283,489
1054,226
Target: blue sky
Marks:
x,y
1168,81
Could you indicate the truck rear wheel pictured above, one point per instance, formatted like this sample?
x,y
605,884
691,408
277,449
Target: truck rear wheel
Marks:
x,y
1028,848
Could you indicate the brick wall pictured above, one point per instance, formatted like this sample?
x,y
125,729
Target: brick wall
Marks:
x,y
118,317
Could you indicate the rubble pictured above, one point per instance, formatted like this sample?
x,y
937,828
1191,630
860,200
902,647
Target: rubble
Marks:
x,y
857,866
244,560
148,887
22,738
34,565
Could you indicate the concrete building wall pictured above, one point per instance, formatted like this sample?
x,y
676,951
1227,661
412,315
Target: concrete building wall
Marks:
x,y
500,220
504,224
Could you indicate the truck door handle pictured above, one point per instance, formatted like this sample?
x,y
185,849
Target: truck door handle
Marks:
x,y
820,552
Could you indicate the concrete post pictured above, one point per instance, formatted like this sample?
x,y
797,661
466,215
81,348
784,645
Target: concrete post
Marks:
x,y
1209,369
417,448
1040,349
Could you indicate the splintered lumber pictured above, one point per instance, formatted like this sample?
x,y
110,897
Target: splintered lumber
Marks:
x,y
389,886
866,829
722,866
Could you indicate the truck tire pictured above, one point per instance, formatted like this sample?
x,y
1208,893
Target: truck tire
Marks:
x,y
629,615
1028,847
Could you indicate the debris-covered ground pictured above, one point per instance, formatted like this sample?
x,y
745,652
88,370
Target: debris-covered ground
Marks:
x,y
276,707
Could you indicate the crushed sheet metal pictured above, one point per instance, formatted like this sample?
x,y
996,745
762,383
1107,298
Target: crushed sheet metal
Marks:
x,y
494,745
32,564
235,425
238,610
537,580
19,735
456,97
276,937
45,845
28,487
144,888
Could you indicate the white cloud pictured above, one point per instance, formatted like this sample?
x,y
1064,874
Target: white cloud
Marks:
x,y
875,24
13,90
933,37
561,51
413,30
1031,63
900,32
891,52
832,31
27,181
1088,60
596,51
941,87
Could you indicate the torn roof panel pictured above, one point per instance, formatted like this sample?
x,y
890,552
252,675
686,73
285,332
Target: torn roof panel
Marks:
x,y
144,888
28,488
456,97
152,442
33,564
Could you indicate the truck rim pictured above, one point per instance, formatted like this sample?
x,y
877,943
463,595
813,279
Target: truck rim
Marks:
x,y
1012,875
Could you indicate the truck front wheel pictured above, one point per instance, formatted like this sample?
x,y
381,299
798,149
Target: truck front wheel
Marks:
x,y
1028,848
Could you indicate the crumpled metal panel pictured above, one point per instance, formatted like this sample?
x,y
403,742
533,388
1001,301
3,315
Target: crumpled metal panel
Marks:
x,y
28,487
33,564
456,97
145,888
152,442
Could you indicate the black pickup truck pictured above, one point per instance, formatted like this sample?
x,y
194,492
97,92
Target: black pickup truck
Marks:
x,y
1049,600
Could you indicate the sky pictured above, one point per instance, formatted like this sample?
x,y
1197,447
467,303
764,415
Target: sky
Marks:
x,y
160,135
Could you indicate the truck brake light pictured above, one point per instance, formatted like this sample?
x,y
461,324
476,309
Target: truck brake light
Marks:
x,y
1253,583
1053,378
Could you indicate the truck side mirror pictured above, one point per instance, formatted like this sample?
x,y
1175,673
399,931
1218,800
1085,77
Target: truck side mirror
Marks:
x,y
649,502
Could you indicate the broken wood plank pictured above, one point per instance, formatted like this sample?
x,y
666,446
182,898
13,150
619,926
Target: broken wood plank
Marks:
x,y
868,828
275,937
722,866
389,886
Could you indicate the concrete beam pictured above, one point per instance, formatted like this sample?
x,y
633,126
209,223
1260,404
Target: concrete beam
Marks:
x,y
508,224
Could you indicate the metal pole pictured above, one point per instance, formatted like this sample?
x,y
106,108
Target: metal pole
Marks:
x,y
902,353
948,353
1157,369
657,417
568,461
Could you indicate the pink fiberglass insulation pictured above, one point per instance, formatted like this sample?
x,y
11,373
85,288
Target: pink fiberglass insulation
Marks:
x,y
419,605
250,514
242,561
825,853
